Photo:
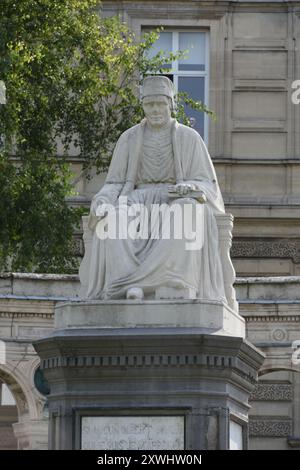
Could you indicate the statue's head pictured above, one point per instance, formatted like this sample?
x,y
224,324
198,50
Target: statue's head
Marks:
x,y
158,99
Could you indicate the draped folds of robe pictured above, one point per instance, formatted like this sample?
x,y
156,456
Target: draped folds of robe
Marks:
x,y
143,165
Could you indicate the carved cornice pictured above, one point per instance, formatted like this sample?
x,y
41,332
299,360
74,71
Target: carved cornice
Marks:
x,y
153,360
194,8
284,248
266,426
272,319
167,10
272,392
31,315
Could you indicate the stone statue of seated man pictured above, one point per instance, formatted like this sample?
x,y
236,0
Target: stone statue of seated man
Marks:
x,y
163,168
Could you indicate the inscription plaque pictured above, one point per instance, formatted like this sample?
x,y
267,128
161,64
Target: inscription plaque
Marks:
x,y
132,432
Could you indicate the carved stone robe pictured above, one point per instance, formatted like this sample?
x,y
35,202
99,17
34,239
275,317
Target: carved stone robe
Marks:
x,y
142,167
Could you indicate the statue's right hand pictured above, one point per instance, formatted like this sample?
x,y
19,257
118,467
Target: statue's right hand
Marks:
x,y
96,204
102,210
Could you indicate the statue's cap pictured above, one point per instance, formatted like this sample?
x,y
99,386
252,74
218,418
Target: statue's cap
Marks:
x,y
157,85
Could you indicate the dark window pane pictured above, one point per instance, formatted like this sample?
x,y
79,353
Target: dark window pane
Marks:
x,y
193,67
168,75
194,86
40,382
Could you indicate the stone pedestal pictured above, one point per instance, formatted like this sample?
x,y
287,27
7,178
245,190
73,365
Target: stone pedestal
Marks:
x,y
148,375
208,316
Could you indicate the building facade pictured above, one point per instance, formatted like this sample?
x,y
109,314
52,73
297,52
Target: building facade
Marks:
x,y
245,63
251,60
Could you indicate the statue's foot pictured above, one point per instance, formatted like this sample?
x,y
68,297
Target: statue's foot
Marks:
x,y
135,293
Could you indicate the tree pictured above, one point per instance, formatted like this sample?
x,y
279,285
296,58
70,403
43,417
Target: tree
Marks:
x,y
71,76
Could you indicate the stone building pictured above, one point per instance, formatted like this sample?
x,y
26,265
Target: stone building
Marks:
x,y
244,63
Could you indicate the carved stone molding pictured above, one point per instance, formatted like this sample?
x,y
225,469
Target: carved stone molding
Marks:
x,y
155,360
137,361
272,392
183,10
31,315
283,248
271,319
265,426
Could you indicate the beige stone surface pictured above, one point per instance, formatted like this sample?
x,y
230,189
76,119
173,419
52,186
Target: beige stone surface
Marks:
x,y
256,105
265,64
258,145
259,25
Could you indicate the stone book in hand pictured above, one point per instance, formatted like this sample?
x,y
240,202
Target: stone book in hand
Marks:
x,y
195,194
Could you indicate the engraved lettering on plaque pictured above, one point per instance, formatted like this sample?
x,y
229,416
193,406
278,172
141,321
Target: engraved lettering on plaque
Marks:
x,y
132,432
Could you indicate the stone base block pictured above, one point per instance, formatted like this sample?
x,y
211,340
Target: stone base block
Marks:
x,y
211,317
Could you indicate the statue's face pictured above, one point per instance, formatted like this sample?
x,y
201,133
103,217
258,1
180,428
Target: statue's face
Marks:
x,y
157,110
